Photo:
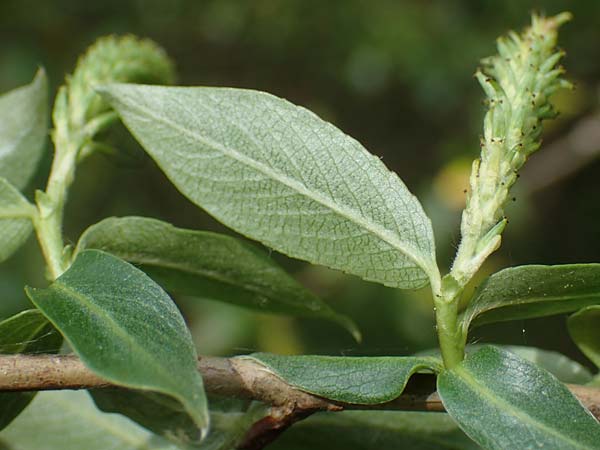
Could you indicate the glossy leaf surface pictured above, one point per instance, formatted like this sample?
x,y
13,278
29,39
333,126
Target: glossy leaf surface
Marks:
x,y
361,380
533,291
125,328
23,130
277,173
502,401
208,265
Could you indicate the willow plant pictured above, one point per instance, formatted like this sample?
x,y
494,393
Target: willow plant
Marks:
x,y
278,174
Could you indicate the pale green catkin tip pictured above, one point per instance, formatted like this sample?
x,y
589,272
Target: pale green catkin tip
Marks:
x,y
114,59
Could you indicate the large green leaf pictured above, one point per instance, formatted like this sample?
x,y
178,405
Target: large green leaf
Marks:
x,y
503,402
533,291
207,265
584,328
27,332
279,174
68,420
23,130
360,380
15,219
369,430
125,328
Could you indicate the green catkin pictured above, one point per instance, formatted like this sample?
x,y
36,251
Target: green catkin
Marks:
x,y
518,83
79,112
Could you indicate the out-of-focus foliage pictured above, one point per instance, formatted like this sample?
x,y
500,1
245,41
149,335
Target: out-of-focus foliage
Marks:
x,y
393,74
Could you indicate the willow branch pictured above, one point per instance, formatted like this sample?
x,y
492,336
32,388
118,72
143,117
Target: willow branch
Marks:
x,y
239,378
232,377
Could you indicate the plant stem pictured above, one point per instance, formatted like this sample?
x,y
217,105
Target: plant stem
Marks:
x,y
51,203
449,331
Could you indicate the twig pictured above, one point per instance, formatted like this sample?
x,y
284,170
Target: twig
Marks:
x,y
239,378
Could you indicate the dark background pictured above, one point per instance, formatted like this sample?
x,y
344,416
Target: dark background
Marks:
x,y
396,75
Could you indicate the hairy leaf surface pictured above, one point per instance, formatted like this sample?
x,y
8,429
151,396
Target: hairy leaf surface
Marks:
x,y
23,130
208,265
125,328
68,420
15,219
533,291
502,401
584,328
277,173
361,380
26,332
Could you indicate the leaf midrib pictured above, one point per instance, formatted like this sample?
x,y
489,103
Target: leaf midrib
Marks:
x,y
346,212
121,333
470,380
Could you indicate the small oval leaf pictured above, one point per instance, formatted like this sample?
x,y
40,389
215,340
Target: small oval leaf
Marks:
x,y
533,291
208,265
23,130
125,328
360,380
277,173
503,402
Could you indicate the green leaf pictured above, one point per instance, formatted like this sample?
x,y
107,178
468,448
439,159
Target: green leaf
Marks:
x,y
368,430
208,265
360,380
503,402
15,219
23,130
125,328
68,420
584,328
533,291
155,412
26,332
277,173
563,368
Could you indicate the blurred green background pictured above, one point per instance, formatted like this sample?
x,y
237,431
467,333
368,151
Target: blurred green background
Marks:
x,y
396,75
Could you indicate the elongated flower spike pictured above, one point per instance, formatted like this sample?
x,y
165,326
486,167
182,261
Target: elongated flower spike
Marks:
x,y
518,83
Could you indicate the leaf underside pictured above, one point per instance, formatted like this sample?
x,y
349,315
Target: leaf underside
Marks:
x,y
360,380
277,173
15,226
23,130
